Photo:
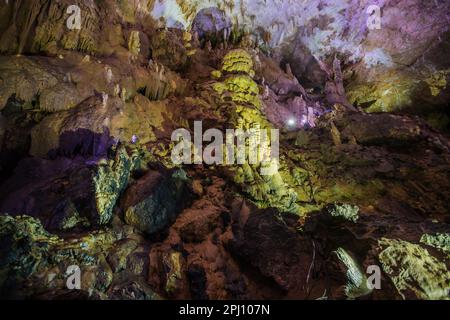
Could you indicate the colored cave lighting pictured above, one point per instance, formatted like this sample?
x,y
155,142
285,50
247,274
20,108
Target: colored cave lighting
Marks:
x,y
235,156
291,122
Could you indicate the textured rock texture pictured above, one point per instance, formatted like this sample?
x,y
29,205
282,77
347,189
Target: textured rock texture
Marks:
x,y
400,66
87,177
155,200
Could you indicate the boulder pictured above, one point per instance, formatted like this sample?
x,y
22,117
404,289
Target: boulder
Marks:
x,y
211,22
167,271
153,202
118,255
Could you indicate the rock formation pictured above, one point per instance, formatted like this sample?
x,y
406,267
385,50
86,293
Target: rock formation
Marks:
x,y
88,180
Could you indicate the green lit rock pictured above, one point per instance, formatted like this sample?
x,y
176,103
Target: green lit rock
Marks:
x,y
396,90
238,61
67,217
154,201
346,211
109,182
438,120
381,128
437,82
240,88
414,271
303,138
357,280
440,241
32,255
134,43
26,245
168,48
172,265
393,93
216,74
265,190
26,79
38,86
175,273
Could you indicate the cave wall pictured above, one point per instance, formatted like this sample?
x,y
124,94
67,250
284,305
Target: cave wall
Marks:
x,y
403,65
87,177
408,53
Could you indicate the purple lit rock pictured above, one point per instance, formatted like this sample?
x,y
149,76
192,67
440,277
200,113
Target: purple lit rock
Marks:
x,y
210,21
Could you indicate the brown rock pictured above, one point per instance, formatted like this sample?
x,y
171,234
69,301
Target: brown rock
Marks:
x,y
197,222
273,246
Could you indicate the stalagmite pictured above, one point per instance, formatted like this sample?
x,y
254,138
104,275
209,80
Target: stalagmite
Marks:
x,y
289,71
109,74
104,99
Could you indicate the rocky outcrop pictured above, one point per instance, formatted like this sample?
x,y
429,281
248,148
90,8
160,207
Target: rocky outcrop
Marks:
x,y
407,48
272,245
120,120
154,201
87,180
73,189
169,49
414,271
38,264
49,27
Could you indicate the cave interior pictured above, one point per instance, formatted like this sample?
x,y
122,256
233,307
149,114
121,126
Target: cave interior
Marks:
x,y
118,179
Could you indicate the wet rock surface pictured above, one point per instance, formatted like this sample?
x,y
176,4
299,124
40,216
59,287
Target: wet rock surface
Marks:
x,y
87,178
